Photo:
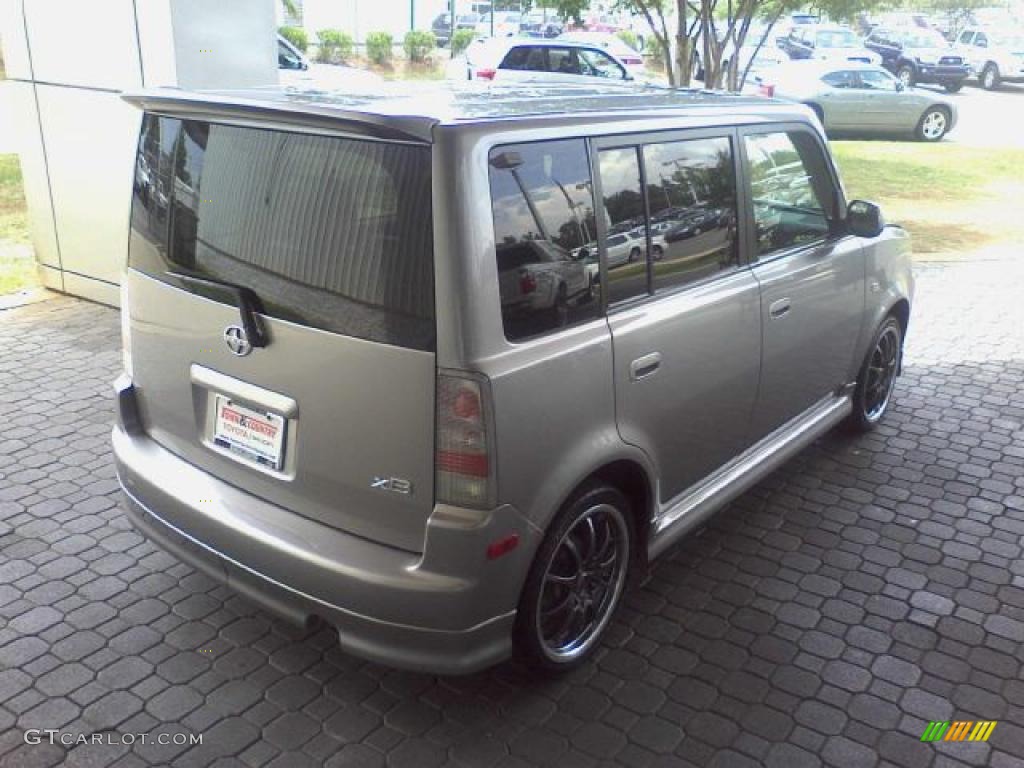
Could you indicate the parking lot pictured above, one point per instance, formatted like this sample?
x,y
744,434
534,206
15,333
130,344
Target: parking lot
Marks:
x,y
869,587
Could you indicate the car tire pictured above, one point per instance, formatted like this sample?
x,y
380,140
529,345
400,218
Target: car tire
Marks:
x,y
576,580
634,255
906,75
933,125
877,377
657,252
990,79
953,87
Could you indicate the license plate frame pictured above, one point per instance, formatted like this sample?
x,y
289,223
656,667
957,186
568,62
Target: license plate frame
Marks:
x,y
253,436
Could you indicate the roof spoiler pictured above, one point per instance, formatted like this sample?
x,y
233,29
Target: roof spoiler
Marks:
x,y
283,108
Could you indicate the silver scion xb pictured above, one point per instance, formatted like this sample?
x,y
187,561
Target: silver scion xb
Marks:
x,y
381,372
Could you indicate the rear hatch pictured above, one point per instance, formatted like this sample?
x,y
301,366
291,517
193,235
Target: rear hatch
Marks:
x,y
322,244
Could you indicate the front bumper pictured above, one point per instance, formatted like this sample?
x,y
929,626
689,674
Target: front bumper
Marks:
x,y
449,610
939,73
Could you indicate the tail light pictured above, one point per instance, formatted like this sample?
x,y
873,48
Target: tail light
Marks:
x,y
486,74
126,327
527,282
464,471
766,90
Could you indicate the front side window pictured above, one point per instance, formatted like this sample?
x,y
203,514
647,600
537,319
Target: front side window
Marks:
x,y
791,188
965,37
598,64
622,203
545,236
331,233
564,61
691,188
877,80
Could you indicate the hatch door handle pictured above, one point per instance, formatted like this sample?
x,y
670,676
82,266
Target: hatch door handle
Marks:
x,y
645,366
779,308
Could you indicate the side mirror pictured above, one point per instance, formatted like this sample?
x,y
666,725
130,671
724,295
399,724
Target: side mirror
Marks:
x,y
864,219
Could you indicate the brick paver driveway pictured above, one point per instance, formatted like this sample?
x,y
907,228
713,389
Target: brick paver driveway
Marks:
x,y
872,585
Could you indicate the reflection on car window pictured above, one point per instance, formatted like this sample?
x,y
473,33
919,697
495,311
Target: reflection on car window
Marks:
x,y
545,236
597,64
564,61
876,80
790,185
843,79
623,207
517,58
691,189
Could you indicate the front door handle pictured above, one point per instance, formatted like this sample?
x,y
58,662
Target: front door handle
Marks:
x,y
645,366
779,308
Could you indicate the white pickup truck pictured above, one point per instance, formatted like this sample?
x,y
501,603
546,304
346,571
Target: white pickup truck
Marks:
x,y
995,56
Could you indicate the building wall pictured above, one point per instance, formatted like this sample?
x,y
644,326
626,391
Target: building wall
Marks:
x,y
68,62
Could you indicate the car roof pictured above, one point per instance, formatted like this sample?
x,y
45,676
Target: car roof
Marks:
x,y
412,110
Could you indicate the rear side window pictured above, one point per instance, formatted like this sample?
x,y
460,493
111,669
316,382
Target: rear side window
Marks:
x,y
792,190
545,240
332,233
691,188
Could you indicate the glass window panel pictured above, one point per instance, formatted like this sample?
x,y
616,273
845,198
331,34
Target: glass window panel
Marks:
x,y
545,236
623,208
691,188
791,187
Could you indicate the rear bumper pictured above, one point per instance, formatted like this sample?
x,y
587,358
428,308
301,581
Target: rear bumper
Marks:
x,y
448,610
942,74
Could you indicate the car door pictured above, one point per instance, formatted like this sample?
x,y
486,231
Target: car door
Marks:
x,y
885,104
841,101
812,282
685,326
965,47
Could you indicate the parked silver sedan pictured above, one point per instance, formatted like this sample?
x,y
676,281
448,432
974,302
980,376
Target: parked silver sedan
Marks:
x,y
861,98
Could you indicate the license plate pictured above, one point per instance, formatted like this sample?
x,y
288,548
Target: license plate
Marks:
x,y
253,435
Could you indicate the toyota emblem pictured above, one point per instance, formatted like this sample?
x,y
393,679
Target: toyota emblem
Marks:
x,y
237,341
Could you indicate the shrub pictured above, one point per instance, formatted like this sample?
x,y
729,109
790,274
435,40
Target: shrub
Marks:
x,y
461,40
335,46
418,44
296,36
628,36
655,56
379,48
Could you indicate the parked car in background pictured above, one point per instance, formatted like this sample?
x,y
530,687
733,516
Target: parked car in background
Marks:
x,y
828,42
917,56
340,399
526,59
611,43
850,97
296,71
760,56
995,57
503,24
538,23
442,26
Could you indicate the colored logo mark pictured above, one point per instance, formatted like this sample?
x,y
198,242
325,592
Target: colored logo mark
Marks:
x,y
959,730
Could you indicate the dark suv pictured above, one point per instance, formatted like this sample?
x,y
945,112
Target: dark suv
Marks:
x,y
443,29
917,55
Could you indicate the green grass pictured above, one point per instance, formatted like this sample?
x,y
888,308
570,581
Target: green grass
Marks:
x,y
17,266
954,200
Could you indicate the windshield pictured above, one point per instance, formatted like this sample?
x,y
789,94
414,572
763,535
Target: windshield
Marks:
x,y
839,38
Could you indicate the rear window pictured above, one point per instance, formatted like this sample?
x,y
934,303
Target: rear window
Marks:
x,y
332,233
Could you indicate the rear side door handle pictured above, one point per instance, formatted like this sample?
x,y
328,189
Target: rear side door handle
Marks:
x,y
644,367
778,309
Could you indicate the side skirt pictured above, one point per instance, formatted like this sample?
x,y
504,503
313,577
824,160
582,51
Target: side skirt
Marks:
x,y
694,505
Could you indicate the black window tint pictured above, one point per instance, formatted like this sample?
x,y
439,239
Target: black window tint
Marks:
x,y
565,61
331,233
691,188
516,58
842,79
791,187
623,204
545,235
